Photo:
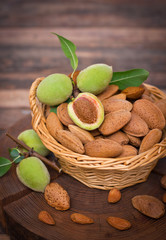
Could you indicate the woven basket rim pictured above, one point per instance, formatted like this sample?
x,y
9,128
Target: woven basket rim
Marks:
x,y
84,161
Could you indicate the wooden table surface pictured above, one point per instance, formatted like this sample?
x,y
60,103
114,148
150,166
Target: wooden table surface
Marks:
x,y
125,34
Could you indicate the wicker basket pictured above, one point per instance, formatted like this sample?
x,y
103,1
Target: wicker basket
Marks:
x,y
101,173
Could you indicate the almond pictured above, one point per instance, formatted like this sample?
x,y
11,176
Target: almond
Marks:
x,y
108,92
114,121
82,134
95,132
163,181
133,92
45,217
119,96
149,206
53,124
150,140
119,223
135,141
150,113
164,198
112,105
136,126
70,141
57,197
63,114
144,96
81,218
114,195
103,148
119,137
128,150
161,104
146,90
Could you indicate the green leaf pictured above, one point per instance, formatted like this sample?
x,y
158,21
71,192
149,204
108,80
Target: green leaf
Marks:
x,y
19,159
5,165
14,153
69,50
134,77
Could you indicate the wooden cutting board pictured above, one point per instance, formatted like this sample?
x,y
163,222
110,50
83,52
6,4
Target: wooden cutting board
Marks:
x,y
19,206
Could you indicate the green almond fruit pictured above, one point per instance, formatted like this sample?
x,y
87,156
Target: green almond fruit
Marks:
x,y
33,173
32,140
95,78
86,111
54,89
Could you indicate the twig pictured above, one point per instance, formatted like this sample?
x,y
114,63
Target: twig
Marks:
x,y
35,154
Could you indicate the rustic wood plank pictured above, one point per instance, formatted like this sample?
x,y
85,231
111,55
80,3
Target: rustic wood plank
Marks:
x,y
14,98
91,37
9,116
23,222
77,13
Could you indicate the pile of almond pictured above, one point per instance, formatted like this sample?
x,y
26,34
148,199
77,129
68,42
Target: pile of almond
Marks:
x,y
133,123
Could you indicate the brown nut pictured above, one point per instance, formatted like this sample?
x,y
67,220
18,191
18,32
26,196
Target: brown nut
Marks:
x,y
108,92
56,196
128,150
114,195
53,124
164,198
70,141
103,148
63,114
119,137
150,140
136,126
161,104
45,217
133,92
114,121
163,181
119,96
82,134
119,223
135,141
150,113
81,218
112,105
149,206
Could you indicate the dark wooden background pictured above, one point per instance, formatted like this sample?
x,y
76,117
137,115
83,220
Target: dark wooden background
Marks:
x,y
125,34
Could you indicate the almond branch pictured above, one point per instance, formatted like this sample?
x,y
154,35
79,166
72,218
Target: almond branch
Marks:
x,y
35,154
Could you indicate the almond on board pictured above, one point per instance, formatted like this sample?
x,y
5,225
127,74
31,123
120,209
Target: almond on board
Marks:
x,y
163,181
112,105
149,206
150,113
82,134
119,223
53,124
63,114
119,137
103,148
81,218
114,121
136,126
56,196
108,92
150,140
114,195
45,217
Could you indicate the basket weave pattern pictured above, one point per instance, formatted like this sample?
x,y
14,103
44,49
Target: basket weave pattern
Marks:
x,y
101,173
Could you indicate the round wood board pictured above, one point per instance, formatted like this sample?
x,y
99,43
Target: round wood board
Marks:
x,y
19,206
